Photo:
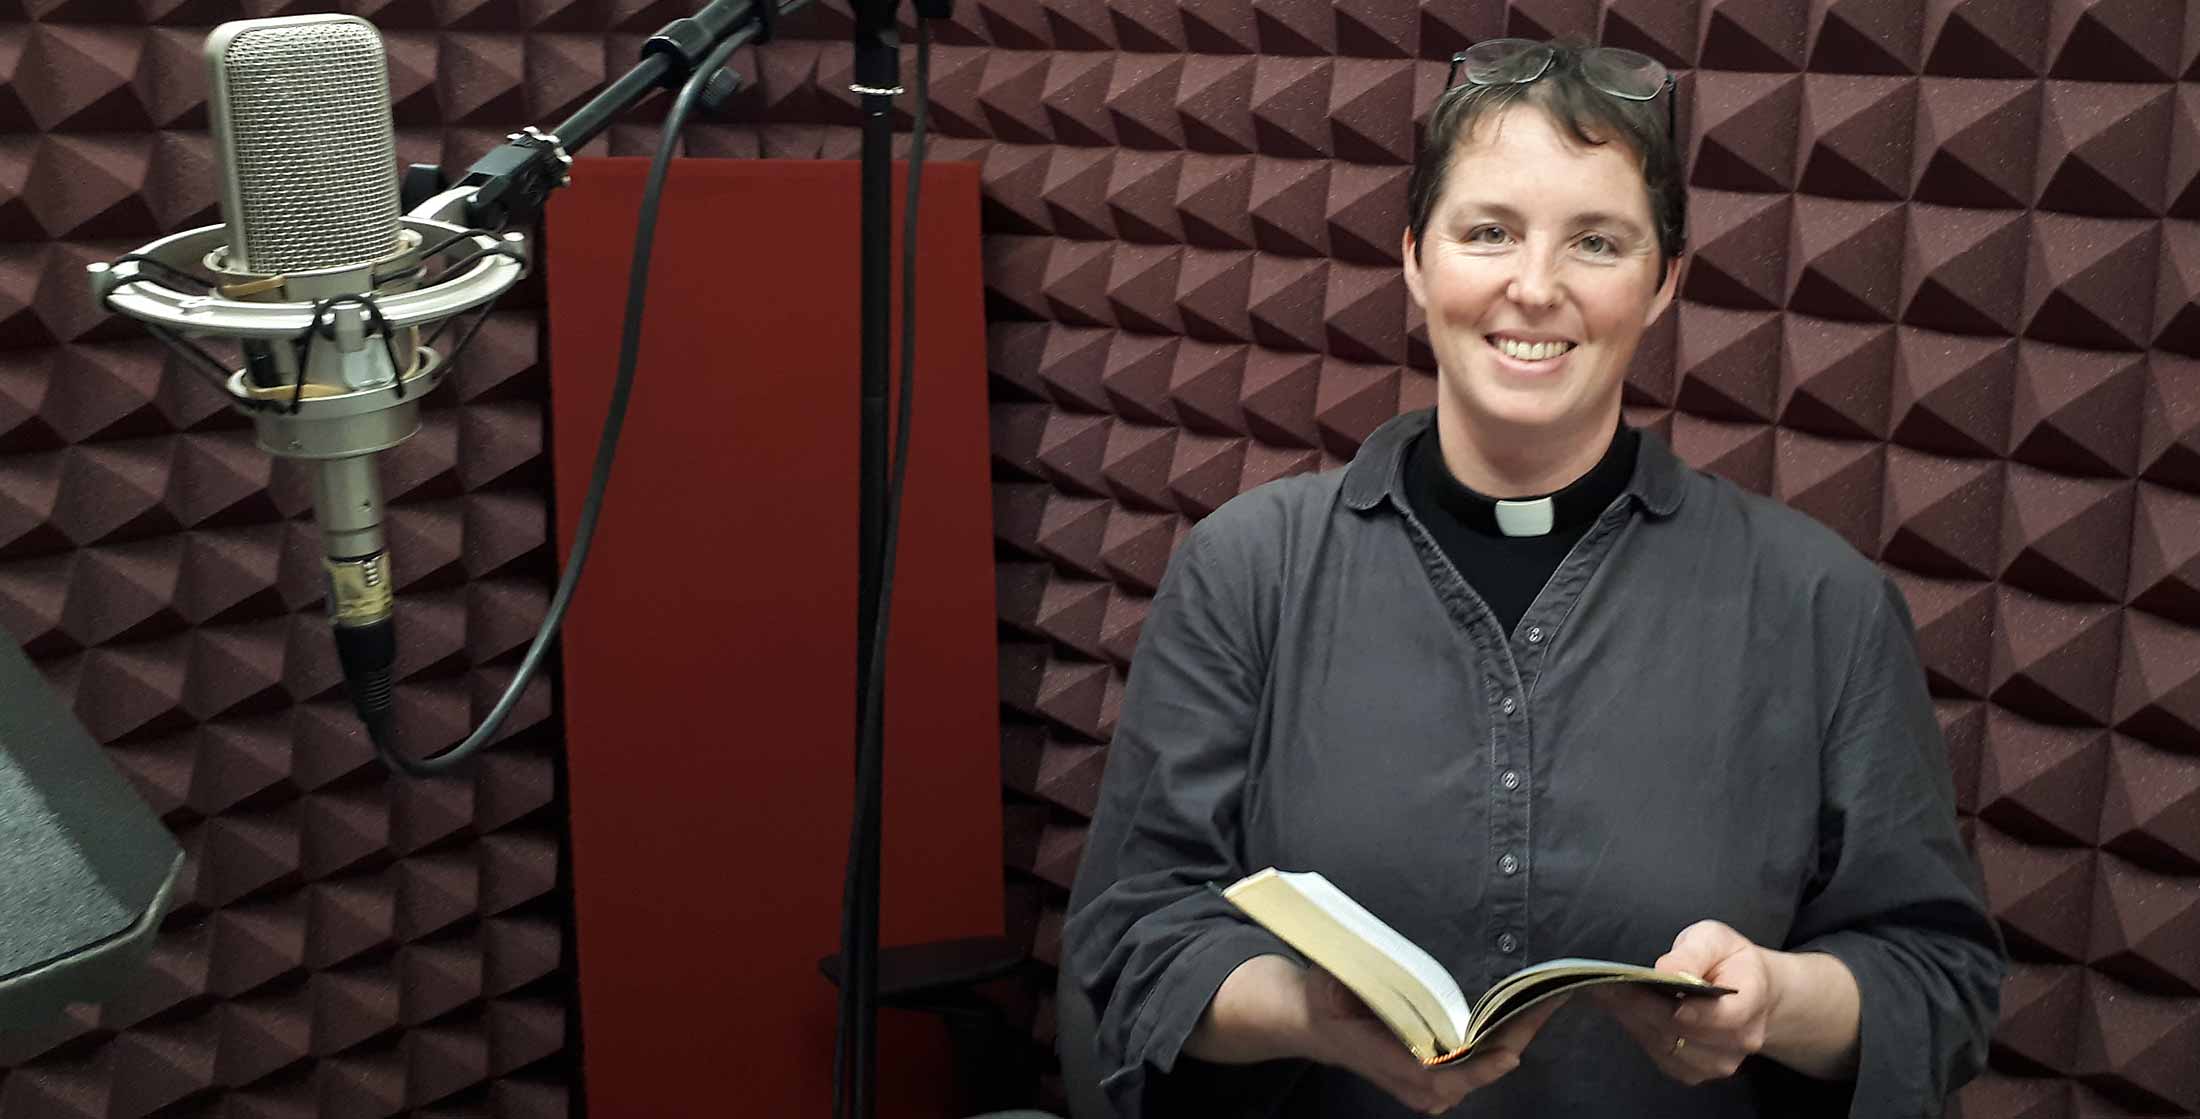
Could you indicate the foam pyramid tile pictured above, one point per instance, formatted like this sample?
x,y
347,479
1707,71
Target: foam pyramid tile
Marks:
x,y
1214,103
1740,257
1740,35
2038,1033
1074,192
1290,103
1075,282
1746,129
2113,40
1277,397
1370,112
2103,149
1141,197
1856,134
2151,811
2184,154
2143,929
1286,302
1955,626
2169,435
2055,662
2136,1048
1943,516
1729,363
1951,394
1365,212
1864,36
2065,537
1135,547
1075,96
1664,31
1963,270
1449,27
2087,282
2042,782
2165,561
1286,27
2158,684
1844,259
2042,896
1288,199
1373,29
2071,408
1837,482
1147,27
1983,39
258,1036
1741,452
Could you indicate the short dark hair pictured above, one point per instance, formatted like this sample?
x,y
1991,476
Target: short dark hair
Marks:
x,y
1591,115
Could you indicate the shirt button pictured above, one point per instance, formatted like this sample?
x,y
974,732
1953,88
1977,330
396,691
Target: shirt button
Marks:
x,y
1535,635
1508,707
1510,864
1511,779
1508,944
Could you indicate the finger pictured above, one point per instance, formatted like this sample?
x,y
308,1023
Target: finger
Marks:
x,y
1699,1061
1647,1030
1522,1028
1331,998
1647,1017
1733,1013
1699,947
1455,1082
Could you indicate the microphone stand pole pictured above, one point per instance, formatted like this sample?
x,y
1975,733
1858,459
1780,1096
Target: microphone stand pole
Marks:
x,y
877,80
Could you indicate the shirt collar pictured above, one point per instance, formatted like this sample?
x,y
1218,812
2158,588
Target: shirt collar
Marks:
x,y
1377,471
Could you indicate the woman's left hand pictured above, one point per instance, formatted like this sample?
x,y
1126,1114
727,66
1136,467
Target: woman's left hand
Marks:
x,y
1694,1040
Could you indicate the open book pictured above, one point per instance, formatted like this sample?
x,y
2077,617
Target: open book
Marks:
x,y
1404,985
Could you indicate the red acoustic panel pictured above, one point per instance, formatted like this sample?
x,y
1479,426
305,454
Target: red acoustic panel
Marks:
x,y
709,655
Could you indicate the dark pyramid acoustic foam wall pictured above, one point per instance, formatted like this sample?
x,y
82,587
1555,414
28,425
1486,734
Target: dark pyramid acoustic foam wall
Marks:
x,y
1945,297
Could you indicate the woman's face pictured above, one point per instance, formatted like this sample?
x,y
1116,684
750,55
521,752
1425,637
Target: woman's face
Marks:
x,y
1538,275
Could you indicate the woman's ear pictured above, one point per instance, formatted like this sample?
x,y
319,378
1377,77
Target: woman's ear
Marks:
x,y
1406,249
1667,290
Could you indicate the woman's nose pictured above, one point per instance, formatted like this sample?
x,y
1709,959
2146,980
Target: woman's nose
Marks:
x,y
1535,284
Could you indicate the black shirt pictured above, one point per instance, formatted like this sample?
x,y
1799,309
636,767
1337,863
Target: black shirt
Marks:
x,y
1508,570
1715,709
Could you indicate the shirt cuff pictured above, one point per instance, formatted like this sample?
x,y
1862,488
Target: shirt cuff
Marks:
x,y
1165,1022
1894,1047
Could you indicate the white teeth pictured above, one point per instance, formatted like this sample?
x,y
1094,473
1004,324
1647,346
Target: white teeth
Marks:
x,y
1531,351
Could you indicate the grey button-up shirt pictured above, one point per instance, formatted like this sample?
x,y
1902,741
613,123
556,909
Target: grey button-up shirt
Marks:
x,y
1714,709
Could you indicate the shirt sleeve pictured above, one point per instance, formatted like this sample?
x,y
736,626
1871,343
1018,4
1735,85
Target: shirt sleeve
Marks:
x,y
1149,938
1897,898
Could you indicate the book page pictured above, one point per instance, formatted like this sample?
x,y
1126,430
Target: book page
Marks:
x,y
1370,928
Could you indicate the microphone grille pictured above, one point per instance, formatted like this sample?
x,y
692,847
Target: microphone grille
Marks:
x,y
301,121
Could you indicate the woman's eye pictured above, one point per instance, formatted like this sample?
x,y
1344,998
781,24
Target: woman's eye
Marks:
x,y
1486,235
1598,244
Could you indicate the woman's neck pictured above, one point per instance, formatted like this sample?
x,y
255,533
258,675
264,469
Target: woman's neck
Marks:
x,y
1510,463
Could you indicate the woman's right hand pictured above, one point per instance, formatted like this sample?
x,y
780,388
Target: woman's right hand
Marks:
x,y
1270,1008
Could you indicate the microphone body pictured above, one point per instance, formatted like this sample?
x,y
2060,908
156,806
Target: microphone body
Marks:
x,y
300,110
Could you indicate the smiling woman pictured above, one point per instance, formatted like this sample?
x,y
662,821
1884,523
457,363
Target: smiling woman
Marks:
x,y
1528,686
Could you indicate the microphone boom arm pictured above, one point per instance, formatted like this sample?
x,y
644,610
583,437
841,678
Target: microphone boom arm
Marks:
x,y
510,184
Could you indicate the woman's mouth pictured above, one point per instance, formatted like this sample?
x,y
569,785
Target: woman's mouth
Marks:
x,y
1533,354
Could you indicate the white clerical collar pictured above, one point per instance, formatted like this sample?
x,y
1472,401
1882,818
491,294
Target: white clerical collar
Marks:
x,y
1531,517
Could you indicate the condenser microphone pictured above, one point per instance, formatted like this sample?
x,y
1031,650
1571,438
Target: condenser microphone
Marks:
x,y
322,285
302,135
